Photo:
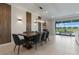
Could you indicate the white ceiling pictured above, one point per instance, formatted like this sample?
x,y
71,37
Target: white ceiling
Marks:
x,y
57,10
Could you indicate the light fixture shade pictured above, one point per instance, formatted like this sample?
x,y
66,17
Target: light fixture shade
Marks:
x,y
41,21
19,19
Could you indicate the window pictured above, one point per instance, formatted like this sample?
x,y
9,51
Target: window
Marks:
x,y
67,27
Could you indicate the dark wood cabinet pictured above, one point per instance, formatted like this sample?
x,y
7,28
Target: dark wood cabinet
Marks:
x,y
5,23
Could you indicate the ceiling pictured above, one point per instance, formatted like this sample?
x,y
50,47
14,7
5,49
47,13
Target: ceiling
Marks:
x,y
53,10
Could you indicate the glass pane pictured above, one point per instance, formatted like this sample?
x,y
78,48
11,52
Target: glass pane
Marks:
x,y
67,27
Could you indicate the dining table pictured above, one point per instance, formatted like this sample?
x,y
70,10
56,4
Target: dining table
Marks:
x,y
28,36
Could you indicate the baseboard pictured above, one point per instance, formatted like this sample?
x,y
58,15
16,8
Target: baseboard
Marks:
x,y
6,44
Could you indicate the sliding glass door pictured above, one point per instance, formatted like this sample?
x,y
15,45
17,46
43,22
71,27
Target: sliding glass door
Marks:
x,y
67,27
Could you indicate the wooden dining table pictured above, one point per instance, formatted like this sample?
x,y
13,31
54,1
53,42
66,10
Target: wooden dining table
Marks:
x,y
28,36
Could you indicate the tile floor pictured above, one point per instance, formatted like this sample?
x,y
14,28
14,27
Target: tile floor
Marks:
x,y
57,45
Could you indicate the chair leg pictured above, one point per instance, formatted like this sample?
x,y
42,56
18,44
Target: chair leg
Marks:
x,y
41,43
35,46
18,49
48,38
14,48
46,41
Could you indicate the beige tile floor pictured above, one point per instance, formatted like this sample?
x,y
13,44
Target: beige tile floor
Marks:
x,y
57,45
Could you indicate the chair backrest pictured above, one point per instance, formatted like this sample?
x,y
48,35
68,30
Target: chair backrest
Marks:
x,y
16,39
47,34
43,35
36,38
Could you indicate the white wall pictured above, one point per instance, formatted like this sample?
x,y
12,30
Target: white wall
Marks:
x,y
51,26
17,27
34,25
20,27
